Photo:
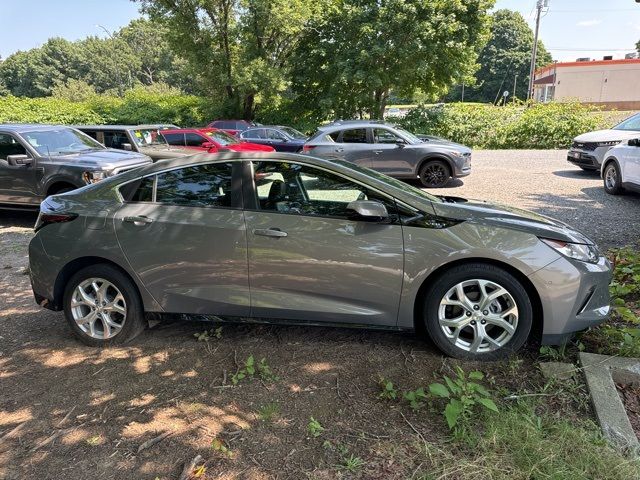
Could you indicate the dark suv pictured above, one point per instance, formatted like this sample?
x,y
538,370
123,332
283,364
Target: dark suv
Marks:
x,y
41,160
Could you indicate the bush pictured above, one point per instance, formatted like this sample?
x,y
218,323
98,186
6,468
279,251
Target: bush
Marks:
x,y
539,126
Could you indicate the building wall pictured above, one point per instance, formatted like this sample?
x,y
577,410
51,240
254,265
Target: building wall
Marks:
x,y
613,84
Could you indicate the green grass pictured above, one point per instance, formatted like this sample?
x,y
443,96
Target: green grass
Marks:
x,y
518,444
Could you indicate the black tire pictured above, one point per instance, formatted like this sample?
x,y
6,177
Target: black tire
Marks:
x,y
62,189
461,273
134,322
588,169
434,174
612,179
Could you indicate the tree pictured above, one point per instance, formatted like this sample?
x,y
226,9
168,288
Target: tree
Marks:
x,y
240,49
352,58
507,54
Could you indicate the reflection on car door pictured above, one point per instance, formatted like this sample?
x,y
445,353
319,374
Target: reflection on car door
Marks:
x,y
390,155
183,233
17,182
353,146
309,259
631,164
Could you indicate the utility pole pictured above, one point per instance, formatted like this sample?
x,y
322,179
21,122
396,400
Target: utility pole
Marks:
x,y
515,83
534,50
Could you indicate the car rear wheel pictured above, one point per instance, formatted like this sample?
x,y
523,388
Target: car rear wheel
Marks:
x,y
612,179
102,306
478,312
434,174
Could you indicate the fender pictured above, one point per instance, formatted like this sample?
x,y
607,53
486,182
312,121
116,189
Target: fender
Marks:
x,y
435,156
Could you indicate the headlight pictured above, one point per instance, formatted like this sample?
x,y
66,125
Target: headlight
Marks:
x,y
612,143
577,251
93,177
456,153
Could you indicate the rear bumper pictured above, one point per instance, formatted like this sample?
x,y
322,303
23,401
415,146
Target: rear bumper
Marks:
x,y
574,296
41,273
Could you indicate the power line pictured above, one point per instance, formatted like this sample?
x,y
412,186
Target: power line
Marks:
x,y
582,49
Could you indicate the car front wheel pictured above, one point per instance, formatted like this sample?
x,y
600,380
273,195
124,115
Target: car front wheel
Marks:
x,y
478,312
612,179
102,306
434,174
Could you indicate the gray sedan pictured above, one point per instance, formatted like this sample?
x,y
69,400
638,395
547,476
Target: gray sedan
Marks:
x,y
391,150
297,239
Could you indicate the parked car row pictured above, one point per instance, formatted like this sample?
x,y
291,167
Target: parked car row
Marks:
x,y
615,153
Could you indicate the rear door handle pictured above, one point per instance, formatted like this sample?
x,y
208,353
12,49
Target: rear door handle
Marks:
x,y
339,149
138,220
270,232
377,152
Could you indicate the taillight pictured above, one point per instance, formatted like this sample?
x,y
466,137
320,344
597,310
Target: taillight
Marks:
x,y
307,148
47,218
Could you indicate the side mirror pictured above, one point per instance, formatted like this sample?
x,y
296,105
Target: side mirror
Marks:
x,y
634,142
208,145
19,159
369,210
127,147
401,143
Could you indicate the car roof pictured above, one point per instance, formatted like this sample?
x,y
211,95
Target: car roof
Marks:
x,y
342,124
124,127
29,127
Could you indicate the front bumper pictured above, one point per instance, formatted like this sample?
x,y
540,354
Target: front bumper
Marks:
x,y
574,296
589,159
462,166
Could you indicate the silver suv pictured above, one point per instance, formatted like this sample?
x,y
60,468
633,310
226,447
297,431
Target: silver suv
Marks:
x,y
41,160
391,150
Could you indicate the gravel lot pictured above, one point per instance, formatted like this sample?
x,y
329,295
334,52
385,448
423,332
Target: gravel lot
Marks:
x,y
67,411
543,181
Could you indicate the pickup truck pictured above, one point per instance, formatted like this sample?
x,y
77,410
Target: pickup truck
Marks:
x,y
41,160
146,139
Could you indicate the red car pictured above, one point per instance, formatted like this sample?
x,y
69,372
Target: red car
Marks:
x,y
232,127
210,140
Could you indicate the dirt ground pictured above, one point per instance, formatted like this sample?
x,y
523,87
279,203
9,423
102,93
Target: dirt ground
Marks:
x,y
72,412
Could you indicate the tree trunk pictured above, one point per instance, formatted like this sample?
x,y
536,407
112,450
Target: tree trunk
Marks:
x,y
247,113
379,103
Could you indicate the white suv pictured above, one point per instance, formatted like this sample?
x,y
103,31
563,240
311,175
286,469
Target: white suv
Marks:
x,y
621,168
590,149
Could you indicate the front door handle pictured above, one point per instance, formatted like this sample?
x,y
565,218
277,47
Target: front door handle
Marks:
x,y
270,232
339,149
138,220
377,152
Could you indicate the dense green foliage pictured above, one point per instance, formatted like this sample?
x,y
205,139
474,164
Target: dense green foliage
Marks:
x,y
354,55
138,54
621,334
486,126
505,56
476,125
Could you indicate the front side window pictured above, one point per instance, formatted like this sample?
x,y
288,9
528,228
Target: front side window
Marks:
x,y
61,141
274,135
10,146
115,139
382,135
355,135
194,140
303,190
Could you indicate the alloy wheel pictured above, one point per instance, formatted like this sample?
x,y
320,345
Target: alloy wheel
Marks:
x,y
98,308
435,174
611,177
478,315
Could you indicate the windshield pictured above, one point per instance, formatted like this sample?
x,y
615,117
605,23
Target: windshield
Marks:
x,y
631,123
149,136
412,138
62,141
293,133
405,187
223,138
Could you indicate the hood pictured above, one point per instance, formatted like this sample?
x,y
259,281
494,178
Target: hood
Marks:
x,y
609,135
434,143
248,147
509,217
107,159
158,152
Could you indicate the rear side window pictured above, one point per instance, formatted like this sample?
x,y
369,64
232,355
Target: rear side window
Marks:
x,y
197,186
144,193
174,138
355,135
194,140
333,136
115,139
